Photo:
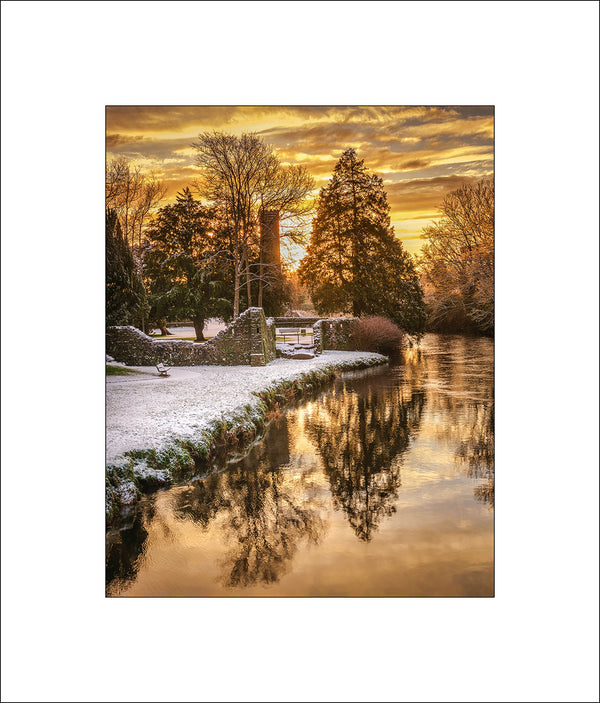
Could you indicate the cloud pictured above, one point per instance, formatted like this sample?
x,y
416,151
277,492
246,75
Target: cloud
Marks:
x,y
152,148
169,119
194,118
392,138
421,198
390,144
119,140
415,164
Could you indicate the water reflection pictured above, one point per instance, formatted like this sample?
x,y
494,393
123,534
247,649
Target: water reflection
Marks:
x,y
360,432
262,514
459,376
476,451
125,548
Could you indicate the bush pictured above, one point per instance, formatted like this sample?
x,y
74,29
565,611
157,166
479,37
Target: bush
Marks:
x,y
376,334
449,314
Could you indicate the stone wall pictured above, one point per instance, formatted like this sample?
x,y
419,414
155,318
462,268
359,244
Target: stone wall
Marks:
x,y
334,334
248,340
261,337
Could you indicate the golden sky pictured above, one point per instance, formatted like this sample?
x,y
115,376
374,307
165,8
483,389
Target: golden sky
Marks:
x,y
420,152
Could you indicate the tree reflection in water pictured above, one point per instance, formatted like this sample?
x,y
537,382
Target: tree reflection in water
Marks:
x,y
477,451
464,366
266,524
264,516
125,548
360,433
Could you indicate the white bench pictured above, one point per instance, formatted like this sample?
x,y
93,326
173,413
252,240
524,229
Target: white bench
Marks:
x,y
292,332
163,369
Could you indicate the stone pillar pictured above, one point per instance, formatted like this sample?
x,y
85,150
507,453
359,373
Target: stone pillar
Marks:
x,y
262,345
318,336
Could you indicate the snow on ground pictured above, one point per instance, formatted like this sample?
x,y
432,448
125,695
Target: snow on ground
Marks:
x,y
146,411
211,328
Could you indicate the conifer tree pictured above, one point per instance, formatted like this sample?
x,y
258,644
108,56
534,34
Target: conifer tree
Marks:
x,y
182,265
125,294
354,263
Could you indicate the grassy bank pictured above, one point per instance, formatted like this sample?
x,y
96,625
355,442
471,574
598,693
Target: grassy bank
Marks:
x,y
121,371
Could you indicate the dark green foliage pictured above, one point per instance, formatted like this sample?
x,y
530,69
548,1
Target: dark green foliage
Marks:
x,y
125,295
354,263
276,298
183,264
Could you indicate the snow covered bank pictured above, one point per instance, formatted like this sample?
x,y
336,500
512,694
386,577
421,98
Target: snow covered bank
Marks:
x,y
159,428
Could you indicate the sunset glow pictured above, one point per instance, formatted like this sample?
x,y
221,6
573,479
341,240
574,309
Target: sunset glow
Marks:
x,y
421,153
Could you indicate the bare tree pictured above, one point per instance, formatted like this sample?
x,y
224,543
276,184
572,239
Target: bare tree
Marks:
x,y
116,174
134,195
243,176
457,260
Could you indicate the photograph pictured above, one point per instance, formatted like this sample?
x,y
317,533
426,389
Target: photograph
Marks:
x,y
299,351
249,450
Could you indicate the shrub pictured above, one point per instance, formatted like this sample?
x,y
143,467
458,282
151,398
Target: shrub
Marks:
x,y
376,334
448,313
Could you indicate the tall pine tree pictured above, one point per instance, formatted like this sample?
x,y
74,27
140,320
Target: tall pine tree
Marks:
x,y
125,294
183,267
354,263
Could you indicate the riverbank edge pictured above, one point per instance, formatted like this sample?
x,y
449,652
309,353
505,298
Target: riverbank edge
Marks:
x,y
139,472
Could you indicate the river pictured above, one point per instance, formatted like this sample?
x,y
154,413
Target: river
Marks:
x,y
381,485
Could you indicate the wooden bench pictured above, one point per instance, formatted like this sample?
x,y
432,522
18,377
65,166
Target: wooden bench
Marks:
x,y
163,369
291,332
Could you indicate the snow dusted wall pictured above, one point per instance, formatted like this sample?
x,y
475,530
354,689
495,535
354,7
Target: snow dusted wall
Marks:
x,y
249,340
334,334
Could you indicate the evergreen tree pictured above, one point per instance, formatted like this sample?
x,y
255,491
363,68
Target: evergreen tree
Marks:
x,y
183,265
354,263
125,294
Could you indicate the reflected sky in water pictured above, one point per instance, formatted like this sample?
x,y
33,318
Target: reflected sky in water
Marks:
x,y
383,485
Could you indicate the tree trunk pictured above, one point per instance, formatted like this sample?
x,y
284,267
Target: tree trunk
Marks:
x,y
236,295
260,279
199,327
162,326
248,284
